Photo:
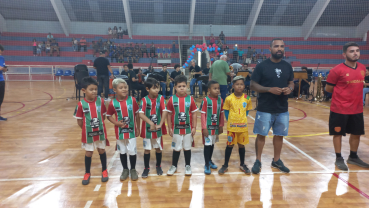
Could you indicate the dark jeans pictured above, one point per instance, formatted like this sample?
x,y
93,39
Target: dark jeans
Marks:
x,y
2,93
223,92
82,46
138,86
103,81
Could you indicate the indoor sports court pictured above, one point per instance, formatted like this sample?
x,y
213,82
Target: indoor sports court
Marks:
x,y
42,162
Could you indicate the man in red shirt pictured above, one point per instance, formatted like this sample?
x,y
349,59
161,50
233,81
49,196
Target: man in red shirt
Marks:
x,y
83,44
346,116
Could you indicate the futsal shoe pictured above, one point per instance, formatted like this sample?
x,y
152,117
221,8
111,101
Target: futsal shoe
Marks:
x,y
280,166
104,177
245,169
145,174
172,170
188,170
3,119
340,163
207,170
256,168
212,165
134,176
124,174
357,161
86,179
223,170
159,171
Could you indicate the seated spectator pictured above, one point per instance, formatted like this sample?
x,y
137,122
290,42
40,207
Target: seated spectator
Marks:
x,y
129,56
254,55
222,37
137,47
113,55
75,44
43,47
240,54
47,48
34,45
110,33
50,37
120,33
168,53
220,45
137,56
54,47
121,58
144,50
112,46
158,52
152,50
212,39
82,44
39,48
95,48
115,32
173,47
248,55
100,43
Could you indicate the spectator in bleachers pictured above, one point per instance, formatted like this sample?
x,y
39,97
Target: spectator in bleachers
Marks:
x,y
50,37
173,47
34,46
248,55
137,56
113,55
168,53
144,50
120,33
152,50
95,48
121,58
240,54
220,45
173,75
212,39
39,48
197,72
75,44
54,47
110,33
163,84
47,48
137,47
115,32
82,44
108,42
129,56
254,55
262,53
43,47
100,43
222,37
158,52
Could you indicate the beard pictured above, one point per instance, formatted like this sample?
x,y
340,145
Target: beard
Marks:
x,y
277,56
352,60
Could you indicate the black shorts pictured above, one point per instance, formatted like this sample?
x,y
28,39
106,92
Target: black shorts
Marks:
x,y
340,124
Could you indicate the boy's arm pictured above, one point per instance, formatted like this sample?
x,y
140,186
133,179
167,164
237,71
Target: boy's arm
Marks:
x,y
137,124
226,113
169,121
194,124
80,122
147,120
164,115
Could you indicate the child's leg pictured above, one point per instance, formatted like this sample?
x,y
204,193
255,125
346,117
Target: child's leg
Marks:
x,y
207,150
147,159
88,159
175,157
102,158
158,157
123,160
241,151
211,151
228,153
122,148
131,147
187,143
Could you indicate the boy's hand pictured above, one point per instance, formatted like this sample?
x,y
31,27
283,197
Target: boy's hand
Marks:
x,y
170,132
193,132
220,130
157,127
137,133
152,126
205,132
121,124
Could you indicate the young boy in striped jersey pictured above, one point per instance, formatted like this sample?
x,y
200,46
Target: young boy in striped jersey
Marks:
x,y
181,123
212,122
90,114
236,109
127,125
153,114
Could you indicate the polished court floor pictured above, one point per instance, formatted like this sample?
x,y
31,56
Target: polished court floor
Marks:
x,y
42,163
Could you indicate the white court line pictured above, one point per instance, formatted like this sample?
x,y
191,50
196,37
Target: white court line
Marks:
x,y
182,174
112,160
97,187
88,204
299,150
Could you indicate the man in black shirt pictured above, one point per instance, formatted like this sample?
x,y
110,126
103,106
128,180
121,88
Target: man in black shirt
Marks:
x,y
163,84
102,66
197,72
366,84
133,81
152,50
176,72
273,80
206,71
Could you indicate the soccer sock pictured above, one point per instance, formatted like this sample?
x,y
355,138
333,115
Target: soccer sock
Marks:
x,y
175,158
211,152
338,155
123,160
353,154
103,161
188,157
147,160
207,150
132,160
228,153
158,159
242,151
88,163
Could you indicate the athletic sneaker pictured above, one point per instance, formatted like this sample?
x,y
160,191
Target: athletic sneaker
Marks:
x,y
256,168
124,174
159,171
134,175
172,170
3,119
104,176
222,170
207,170
188,171
279,165
357,161
340,163
245,169
145,174
212,165
86,179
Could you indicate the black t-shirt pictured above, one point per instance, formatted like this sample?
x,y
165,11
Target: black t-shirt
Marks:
x,y
248,77
164,74
101,65
270,74
367,81
175,73
206,71
197,69
132,74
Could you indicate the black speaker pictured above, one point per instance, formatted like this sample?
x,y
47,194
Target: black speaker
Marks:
x,y
80,72
310,74
204,61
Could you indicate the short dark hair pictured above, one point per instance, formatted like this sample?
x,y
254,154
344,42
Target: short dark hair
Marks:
x,y
1,48
212,82
151,82
130,66
246,64
175,66
304,67
271,42
179,79
367,68
347,45
87,81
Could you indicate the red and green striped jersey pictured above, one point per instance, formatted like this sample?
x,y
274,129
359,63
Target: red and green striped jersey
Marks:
x,y
212,107
181,109
153,109
93,128
125,111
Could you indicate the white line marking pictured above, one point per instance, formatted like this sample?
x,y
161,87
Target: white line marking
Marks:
x,y
97,187
112,160
302,152
88,204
